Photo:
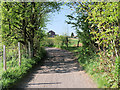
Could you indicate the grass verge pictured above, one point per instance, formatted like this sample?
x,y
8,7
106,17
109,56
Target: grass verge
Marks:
x,y
13,74
105,75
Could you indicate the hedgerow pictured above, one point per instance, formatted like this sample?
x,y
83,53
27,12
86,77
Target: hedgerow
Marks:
x,y
15,72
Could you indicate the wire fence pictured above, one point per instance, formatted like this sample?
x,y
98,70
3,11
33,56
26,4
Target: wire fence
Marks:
x,y
12,55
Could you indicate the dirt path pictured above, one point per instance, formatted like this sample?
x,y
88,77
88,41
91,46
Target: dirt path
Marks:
x,y
60,70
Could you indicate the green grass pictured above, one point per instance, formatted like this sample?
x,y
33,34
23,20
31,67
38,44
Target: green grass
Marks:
x,y
92,65
50,42
73,41
73,49
15,72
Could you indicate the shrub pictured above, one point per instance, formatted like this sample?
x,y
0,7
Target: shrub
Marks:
x,y
49,42
61,41
104,68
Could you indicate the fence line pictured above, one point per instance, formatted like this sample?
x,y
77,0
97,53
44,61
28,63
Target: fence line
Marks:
x,y
29,49
4,57
19,54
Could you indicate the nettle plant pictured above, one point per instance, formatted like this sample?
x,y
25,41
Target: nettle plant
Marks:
x,y
103,34
104,16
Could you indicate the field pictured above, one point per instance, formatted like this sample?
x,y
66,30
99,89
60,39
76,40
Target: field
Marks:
x,y
72,41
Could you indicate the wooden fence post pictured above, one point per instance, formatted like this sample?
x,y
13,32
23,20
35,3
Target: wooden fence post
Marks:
x,y
29,49
4,57
19,53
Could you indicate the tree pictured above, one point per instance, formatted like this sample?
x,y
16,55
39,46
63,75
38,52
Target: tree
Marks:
x,y
102,30
79,22
72,35
25,21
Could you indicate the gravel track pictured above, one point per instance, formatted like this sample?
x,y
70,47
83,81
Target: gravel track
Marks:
x,y
60,70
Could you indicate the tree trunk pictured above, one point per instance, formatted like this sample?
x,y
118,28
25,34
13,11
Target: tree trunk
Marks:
x,y
24,25
32,48
78,43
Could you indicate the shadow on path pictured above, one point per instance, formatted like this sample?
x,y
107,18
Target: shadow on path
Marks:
x,y
43,83
60,69
59,61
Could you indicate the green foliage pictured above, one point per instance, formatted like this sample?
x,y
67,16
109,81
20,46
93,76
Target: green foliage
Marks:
x,y
48,42
72,35
15,72
73,42
57,41
61,40
103,16
25,22
78,21
108,75
100,36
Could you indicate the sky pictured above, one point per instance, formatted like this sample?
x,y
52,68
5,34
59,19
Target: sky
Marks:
x,y
57,22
